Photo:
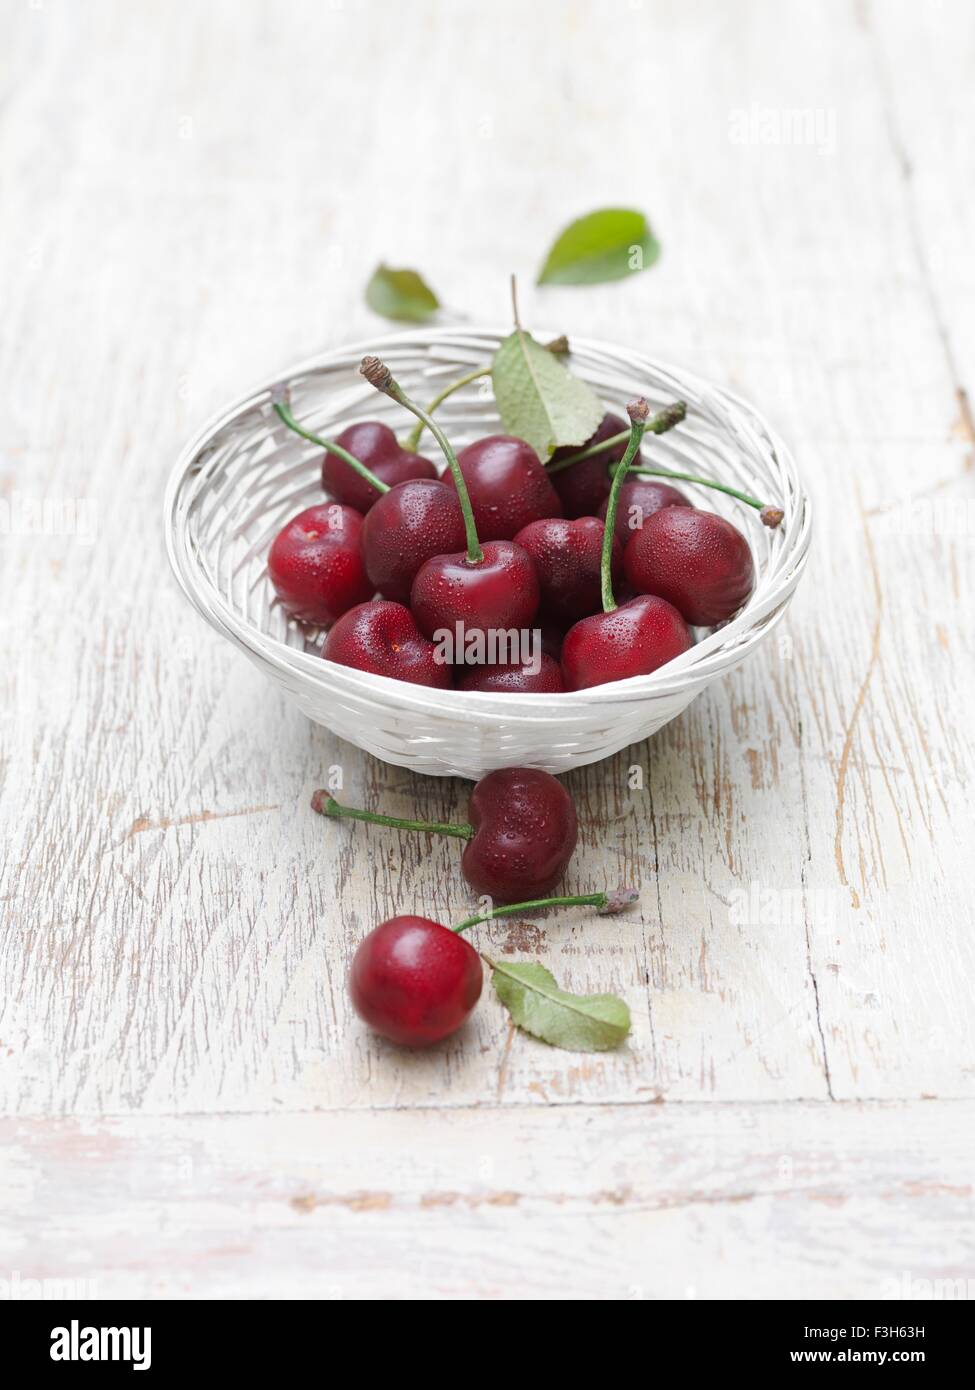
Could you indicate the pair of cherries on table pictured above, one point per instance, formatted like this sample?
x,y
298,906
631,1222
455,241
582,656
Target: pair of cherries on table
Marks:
x,y
416,981
497,545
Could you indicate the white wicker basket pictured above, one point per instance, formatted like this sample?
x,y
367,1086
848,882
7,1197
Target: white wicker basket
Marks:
x,y
242,477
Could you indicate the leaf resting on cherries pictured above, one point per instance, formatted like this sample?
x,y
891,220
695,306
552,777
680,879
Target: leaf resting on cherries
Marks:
x,y
538,399
401,294
577,1022
605,245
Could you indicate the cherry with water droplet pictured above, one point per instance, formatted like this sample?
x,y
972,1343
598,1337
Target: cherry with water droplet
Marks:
x,y
497,593
315,564
382,637
507,484
696,560
474,591
639,498
542,677
407,526
637,637
567,556
377,448
584,486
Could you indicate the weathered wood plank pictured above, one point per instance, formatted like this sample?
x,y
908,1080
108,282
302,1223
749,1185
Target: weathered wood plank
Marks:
x,y
787,1201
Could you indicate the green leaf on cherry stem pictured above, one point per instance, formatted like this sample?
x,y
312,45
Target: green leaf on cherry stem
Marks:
x,y
577,1022
605,245
401,294
538,399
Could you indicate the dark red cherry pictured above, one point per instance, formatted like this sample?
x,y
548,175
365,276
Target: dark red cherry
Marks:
x,y
408,525
520,834
381,637
696,560
543,677
375,445
524,833
632,640
552,635
499,593
414,981
585,486
567,557
508,486
640,498
315,564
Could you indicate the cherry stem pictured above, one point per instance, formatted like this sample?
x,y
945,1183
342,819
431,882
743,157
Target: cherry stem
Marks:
x,y
412,440
326,805
663,421
605,902
558,346
638,412
283,411
647,472
379,375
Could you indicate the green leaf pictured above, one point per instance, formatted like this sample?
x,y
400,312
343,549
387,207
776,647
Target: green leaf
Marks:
x,y
401,294
577,1022
538,399
606,245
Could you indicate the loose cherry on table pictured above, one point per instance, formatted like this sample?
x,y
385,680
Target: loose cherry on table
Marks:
x,y
695,560
507,484
520,835
381,637
543,677
567,556
483,587
639,498
415,981
637,637
315,564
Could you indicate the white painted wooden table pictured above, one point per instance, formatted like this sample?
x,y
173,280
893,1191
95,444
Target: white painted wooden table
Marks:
x,y
194,195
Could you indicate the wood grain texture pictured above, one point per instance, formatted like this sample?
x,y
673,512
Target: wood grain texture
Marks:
x,y
194,196
592,1202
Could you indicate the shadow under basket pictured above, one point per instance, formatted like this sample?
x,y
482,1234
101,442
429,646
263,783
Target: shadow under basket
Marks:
x,y
245,474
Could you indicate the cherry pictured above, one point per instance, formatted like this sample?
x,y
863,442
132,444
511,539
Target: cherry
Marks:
x,y
376,446
552,635
638,499
464,592
415,981
344,474
584,486
507,484
567,556
642,634
631,640
409,524
382,638
696,560
316,566
521,834
500,591
517,677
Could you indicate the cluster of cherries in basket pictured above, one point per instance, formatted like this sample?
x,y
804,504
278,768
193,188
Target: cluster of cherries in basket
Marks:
x,y
501,543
